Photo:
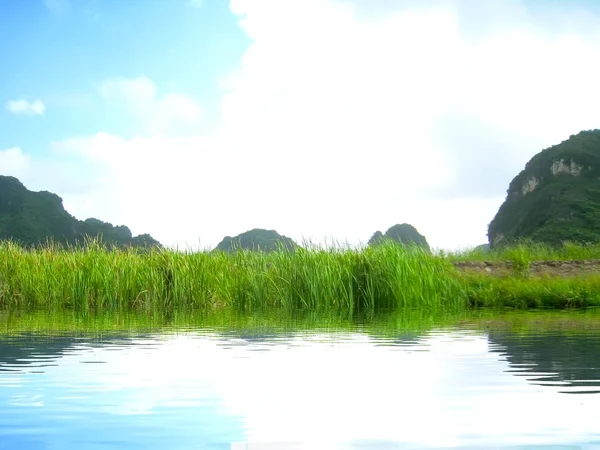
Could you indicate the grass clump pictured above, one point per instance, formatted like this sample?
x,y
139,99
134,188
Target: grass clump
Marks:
x,y
538,292
533,251
93,278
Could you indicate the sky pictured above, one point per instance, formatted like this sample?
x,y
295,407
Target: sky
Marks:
x,y
325,120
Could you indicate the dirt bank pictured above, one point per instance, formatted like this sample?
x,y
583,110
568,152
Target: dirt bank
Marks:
x,y
568,268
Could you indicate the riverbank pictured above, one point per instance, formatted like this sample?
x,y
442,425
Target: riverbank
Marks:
x,y
552,268
384,277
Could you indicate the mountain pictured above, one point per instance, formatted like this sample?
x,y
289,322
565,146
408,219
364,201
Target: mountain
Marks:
x,y
404,233
556,198
257,239
484,248
31,218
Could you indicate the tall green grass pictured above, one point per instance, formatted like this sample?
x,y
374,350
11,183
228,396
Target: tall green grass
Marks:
x,y
535,292
532,251
521,289
92,278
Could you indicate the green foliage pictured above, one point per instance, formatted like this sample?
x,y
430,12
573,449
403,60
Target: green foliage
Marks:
x,y
257,240
532,251
539,292
33,218
520,260
562,206
93,278
384,323
388,324
405,234
523,290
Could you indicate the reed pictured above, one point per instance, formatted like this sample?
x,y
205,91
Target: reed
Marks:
x,y
93,278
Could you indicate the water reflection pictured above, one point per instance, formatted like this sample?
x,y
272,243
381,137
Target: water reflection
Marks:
x,y
30,349
308,389
570,360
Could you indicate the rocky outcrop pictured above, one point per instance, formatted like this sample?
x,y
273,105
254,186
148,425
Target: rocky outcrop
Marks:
x,y
403,233
556,198
257,239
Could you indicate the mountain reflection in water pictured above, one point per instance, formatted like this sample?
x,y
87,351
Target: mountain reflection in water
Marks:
x,y
356,386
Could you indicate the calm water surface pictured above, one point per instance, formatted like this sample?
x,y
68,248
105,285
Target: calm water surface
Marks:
x,y
499,382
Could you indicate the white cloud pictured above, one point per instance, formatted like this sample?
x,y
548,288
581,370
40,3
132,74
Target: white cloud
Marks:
x,y
339,124
35,108
140,97
14,163
76,178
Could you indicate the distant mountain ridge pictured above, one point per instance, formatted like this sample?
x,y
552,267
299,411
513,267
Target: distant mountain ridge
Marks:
x,y
555,198
31,218
402,233
257,239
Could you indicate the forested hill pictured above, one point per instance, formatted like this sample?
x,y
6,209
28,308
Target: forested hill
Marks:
x,y
257,239
402,233
31,217
556,197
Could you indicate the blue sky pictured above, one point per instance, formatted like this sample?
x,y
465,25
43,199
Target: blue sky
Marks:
x,y
322,119
60,50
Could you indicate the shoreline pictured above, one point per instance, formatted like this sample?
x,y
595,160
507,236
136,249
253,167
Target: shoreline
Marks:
x,y
542,268
388,276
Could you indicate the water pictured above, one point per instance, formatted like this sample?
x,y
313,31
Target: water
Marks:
x,y
489,382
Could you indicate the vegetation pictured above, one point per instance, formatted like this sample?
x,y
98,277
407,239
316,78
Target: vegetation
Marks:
x,y
520,289
388,276
483,248
390,323
33,218
530,251
539,292
257,240
405,234
556,198
257,323
94,278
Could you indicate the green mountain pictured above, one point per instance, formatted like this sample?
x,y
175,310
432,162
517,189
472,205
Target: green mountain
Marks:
x,y
484,248
556,198
404,233
257,239
31,218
